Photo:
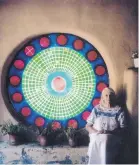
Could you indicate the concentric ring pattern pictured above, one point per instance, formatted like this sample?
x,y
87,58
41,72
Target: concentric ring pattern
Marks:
x,y
56,78
79,83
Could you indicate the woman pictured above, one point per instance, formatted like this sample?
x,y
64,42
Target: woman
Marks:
x,y
106,126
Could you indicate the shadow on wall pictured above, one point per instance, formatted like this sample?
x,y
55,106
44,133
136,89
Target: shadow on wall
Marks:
x,y
129,153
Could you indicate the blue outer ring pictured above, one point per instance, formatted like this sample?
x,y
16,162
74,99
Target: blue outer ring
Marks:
x,y
53,43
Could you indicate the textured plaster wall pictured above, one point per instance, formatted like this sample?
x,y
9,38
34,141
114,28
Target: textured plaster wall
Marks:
x,y
110,25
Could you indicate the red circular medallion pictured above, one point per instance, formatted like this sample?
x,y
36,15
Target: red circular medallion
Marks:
x,y
17,97
78,44
29,51
101,86
62,39
44,42
96,102
19,64
39,121
100,70
85,115
26,111
92,55
56,125
72,123
14,80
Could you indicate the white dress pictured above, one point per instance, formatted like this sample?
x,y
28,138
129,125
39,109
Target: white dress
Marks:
x,y
103,148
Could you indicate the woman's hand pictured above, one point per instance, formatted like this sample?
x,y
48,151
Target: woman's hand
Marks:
x,y
90,129
101,132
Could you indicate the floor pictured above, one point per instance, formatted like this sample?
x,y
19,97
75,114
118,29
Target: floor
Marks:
x,y
35,154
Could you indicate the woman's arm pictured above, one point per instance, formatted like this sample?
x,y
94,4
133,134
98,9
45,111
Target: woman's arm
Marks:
x,y
90,128
122,130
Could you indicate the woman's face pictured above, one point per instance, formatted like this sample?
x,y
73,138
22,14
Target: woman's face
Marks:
x,y
108,97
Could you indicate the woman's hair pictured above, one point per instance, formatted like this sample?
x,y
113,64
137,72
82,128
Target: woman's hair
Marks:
x,y
108,98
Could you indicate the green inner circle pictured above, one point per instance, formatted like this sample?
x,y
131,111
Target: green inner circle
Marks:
x,y
52,60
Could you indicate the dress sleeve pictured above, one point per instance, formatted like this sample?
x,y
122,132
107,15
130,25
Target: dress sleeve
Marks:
x,y
122,120
92,117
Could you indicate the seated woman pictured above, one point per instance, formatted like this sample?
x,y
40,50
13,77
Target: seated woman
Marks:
x,y
106,126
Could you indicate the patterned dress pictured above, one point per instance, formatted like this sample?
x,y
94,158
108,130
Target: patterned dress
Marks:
x,y
103,148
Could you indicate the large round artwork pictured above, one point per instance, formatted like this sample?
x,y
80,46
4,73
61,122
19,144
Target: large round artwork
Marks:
x,y
56,78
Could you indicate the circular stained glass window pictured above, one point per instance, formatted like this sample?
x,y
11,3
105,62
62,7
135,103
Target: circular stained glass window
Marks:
x,y
56,78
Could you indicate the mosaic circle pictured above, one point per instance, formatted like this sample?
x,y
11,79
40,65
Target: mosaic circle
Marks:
x,y
56,78
61,79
